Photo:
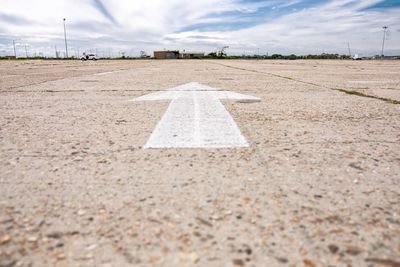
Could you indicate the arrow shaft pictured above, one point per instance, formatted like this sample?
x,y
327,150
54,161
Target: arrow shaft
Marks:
x,y
196,120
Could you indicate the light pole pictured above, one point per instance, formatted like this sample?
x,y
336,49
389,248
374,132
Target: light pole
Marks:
x,y
348,46
15,51
384,37
65,38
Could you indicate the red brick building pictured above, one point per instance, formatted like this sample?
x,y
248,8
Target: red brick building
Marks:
x,y
166,54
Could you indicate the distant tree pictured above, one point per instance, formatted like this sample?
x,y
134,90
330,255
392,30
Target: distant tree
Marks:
x,y
276,56
212,55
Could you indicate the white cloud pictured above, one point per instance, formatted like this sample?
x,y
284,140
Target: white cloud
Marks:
x,y
326,28
156,24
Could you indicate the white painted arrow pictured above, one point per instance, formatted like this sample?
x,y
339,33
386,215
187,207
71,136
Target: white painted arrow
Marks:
x,y
196,118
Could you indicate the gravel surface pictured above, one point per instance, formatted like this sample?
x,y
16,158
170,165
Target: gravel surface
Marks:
x,y
318,186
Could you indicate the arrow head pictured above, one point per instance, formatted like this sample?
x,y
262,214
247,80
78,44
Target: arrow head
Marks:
x,y
186,90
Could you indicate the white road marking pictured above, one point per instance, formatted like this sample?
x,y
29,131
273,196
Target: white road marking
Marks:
x,y
196,118
391,81
107,72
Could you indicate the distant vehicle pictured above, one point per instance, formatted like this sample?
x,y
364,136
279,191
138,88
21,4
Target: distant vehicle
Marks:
x,y
89,57
356,57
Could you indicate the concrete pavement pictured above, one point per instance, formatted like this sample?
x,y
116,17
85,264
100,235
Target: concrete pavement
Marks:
x,y
317,186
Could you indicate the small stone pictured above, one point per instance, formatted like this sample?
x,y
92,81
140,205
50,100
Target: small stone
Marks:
x,y
81,212
309,263
353,250
228,212
157,232
32,239
333,248
282,260
194,257
88,256
216,217
203,221
78,159
59,244
248,251
54,234
5,239
238,262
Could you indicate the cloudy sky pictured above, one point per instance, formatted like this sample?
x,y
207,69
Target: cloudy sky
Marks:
x,y
246,26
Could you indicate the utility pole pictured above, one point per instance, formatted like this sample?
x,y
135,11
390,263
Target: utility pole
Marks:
x,y
65,38
348,46
384,37
15,51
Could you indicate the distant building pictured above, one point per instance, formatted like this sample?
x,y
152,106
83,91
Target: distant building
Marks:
x,y
191,55
166,54
174,54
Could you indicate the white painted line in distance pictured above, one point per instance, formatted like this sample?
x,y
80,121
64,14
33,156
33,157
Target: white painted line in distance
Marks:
x,y
196,118
374,81
107,72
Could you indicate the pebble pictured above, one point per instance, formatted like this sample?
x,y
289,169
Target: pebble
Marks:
x,y
81,212
59,244
91,247
282,260
32,239
333,248
353,250
228,212
60,256
54,234
194,257
203,221
309,263
157,232
238,262
5,239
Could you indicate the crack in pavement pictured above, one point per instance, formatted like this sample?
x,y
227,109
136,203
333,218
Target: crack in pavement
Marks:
x,y
350,92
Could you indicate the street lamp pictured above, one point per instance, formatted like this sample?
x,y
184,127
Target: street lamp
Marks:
x,y
26,51
65,38
14,46
384,37
15,51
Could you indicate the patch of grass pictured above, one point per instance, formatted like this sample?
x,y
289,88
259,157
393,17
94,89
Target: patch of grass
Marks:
x,y
352,92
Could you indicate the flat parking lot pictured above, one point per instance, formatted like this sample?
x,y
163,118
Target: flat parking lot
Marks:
x,y
318,184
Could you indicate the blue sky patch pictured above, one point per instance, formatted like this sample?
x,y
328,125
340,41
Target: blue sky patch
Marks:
x,y
241,19
386,4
